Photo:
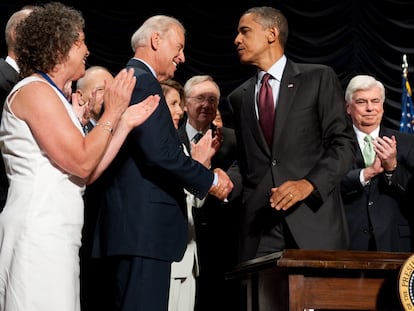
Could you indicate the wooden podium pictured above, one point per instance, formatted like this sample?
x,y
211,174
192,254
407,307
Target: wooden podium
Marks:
x,y
299,280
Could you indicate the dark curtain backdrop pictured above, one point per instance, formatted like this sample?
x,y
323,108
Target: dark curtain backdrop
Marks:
x,y
352,36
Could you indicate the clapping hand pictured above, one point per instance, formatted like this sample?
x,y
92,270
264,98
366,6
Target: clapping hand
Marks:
x,y
81,108
135,115
386,150
205,148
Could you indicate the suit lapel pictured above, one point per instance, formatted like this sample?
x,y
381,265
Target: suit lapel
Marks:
x,y
288,88
183,136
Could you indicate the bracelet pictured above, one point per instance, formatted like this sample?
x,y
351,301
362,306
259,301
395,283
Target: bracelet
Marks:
x,y
106,126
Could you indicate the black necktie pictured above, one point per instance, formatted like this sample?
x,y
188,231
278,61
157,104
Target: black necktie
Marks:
x,y
266,109
196,137
87,127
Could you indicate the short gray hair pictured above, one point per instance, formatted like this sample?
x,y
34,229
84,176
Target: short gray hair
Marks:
x,y
12,23
194,80
156,23
362,83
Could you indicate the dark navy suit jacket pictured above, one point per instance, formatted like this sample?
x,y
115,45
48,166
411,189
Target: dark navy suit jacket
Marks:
x,y
8,78
143,212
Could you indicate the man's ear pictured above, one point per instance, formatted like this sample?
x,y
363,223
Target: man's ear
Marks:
x,y
348,111
273,34
155,40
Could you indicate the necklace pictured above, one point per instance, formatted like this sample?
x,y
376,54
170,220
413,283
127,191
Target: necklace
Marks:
x,y
48,79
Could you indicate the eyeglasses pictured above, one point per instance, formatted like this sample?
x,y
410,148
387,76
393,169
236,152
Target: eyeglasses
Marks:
x,y
199,99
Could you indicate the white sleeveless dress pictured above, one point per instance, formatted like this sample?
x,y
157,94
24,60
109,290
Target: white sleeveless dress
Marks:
x,y
41,224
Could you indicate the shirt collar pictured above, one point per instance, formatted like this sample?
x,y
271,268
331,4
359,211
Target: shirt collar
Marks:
x,y
12,63
276,70
191,131
361,135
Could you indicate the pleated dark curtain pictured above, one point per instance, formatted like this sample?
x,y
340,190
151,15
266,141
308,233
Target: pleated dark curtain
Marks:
x,y
352,36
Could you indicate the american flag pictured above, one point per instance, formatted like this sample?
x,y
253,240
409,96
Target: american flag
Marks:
x,y
407,110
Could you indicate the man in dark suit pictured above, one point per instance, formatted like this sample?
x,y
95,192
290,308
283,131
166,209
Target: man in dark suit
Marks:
x,y
288,170
9,75
216,230
142,226
377,191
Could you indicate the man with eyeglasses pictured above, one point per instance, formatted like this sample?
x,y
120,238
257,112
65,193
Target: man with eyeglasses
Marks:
x,y
216,229
377,190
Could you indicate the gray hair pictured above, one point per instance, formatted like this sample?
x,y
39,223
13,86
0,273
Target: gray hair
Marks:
x,y
80,83
12,23
194,80
156,23
362,83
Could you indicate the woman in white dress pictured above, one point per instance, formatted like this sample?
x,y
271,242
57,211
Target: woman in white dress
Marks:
x,y
49,160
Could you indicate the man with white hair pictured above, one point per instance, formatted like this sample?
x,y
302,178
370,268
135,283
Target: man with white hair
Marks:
x,y
376,191
143,227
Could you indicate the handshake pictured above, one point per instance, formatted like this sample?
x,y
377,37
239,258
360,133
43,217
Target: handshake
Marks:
x,y
224,185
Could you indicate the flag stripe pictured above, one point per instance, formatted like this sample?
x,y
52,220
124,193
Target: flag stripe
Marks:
x,y
406,107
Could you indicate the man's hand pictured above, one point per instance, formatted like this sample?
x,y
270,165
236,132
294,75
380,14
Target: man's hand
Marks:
x,y
289,193
81,108
204,149
386,150
373,170
223,187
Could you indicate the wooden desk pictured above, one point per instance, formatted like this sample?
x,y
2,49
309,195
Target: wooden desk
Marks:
x,y
330,280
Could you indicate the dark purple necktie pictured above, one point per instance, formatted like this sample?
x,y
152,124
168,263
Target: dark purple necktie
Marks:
x,y
266,109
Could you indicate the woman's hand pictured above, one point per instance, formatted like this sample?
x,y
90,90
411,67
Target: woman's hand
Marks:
x,y
137,114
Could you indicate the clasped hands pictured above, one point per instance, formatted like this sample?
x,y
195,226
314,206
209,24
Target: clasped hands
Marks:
x,y
385,157
386,151
224,185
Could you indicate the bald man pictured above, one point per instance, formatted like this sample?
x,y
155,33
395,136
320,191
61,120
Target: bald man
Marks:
x,y
90,91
